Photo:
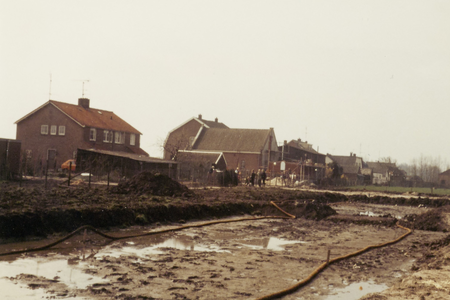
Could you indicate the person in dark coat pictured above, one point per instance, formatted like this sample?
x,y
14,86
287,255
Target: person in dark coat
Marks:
x,y
263,177
252,179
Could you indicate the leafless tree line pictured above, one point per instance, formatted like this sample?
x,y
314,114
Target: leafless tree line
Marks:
x,y
427,168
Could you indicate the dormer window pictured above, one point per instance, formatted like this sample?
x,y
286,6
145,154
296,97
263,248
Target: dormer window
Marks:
x,y
107,136
119,137
132,139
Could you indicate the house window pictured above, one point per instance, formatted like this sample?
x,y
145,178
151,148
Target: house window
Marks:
x,y
62,130
44,129
243,165
119,137
132,139
93,134
28,154
107,136
53,129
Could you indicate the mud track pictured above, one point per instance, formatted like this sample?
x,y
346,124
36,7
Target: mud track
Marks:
x,y
238,262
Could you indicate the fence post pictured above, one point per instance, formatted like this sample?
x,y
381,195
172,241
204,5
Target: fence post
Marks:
x,y
70,170
46,174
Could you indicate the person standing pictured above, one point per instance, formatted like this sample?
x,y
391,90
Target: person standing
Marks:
x,y
252,178
258,176
263,177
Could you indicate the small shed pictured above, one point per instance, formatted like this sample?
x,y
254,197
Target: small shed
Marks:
x,y
128,164
10,152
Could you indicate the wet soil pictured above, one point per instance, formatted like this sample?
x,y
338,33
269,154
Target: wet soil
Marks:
x,y
241,260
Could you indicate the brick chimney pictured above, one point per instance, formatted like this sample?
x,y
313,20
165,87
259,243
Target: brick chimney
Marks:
x,y
200,116
83,102
216,120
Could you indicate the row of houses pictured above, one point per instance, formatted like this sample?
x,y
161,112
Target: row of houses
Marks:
x,y
97,139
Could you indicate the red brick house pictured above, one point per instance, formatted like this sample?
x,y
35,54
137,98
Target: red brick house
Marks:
x,y
245,149
444,179
55,130
183,136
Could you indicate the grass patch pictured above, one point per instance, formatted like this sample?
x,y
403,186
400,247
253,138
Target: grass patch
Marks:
x,y
399,189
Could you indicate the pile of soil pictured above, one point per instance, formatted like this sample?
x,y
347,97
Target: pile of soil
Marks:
x,y
318,211
432,220
152,184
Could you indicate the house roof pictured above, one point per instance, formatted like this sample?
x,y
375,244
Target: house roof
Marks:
x,y
89,117
197,155
220,139
445,173
348,163
107,147
212,124
379,167
302,146
345,160
133,156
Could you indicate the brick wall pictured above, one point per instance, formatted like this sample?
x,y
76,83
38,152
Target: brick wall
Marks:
x,y
29,132
179,138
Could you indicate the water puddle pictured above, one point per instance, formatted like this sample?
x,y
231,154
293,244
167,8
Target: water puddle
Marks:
x,y
355,290
66,271
10,290
270,243
156,247
370,214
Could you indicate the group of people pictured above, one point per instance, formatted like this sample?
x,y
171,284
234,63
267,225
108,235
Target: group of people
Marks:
x,y
258,177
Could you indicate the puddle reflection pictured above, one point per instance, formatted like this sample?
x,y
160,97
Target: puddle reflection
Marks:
x,y
62,270
355,290
270,243
156,246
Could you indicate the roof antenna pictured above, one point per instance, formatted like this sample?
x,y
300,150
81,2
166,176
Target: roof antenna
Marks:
x,y
87,80
50,88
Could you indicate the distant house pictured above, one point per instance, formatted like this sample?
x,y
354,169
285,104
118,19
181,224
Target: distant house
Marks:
x,y
215,142
300,158
183,136
384,172
351,165
444,179
54,131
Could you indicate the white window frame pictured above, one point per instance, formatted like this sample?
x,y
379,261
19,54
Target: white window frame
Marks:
x,y
107,136
53,129
119,137
44,129
62,130
93,134
132,139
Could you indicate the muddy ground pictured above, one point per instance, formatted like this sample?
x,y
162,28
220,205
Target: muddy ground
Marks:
x,y
239,260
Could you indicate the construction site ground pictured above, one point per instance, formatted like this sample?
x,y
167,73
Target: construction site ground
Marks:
x,y
235,260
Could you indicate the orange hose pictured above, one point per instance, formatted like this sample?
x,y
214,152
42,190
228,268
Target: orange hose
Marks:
x,y
324,265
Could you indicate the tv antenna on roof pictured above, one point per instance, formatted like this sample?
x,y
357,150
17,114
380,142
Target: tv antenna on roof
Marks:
x,y
50,88
87,80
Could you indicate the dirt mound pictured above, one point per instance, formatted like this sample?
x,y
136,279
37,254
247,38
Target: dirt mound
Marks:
x,y
152,184
318,211
432,220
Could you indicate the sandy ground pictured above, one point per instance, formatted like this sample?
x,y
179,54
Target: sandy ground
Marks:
x,y
243,260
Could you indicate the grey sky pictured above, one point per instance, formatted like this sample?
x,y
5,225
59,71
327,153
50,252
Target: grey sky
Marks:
x,y
370,77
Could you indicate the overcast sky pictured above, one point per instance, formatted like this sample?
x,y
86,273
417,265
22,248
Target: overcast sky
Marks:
x,y
369,77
